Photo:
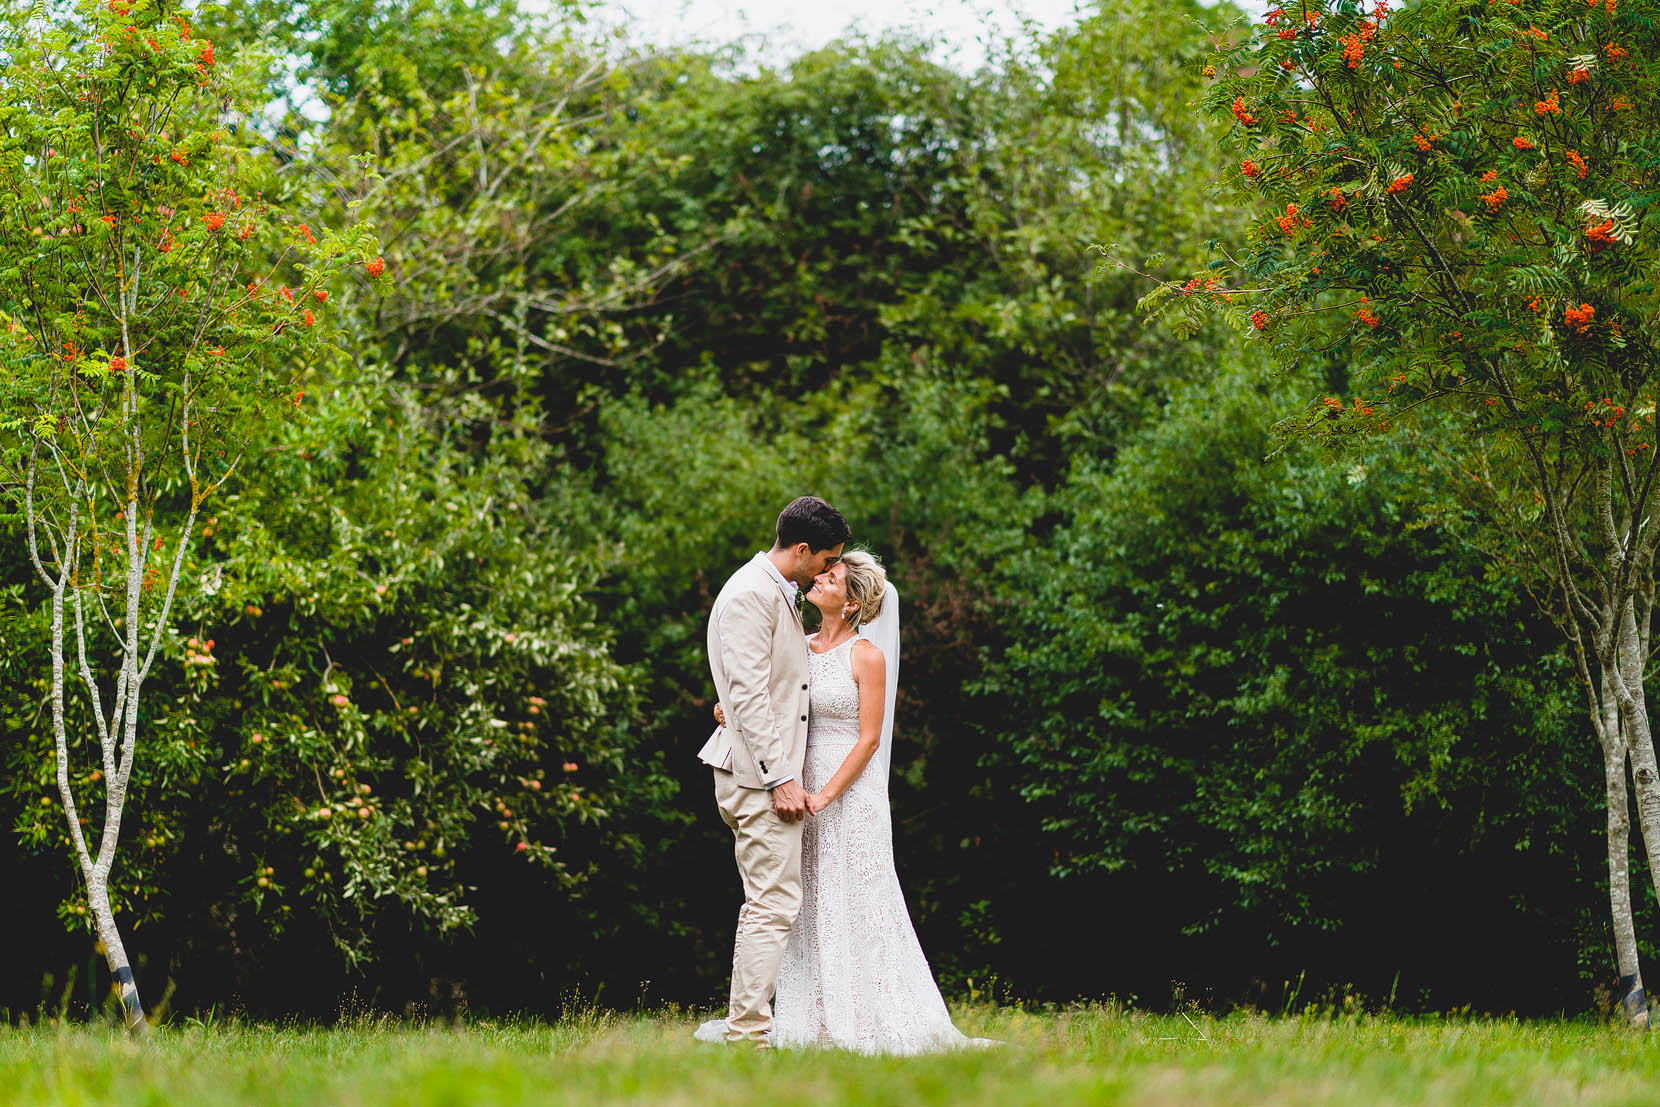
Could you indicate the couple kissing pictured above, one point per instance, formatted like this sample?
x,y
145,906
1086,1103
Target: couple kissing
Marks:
x,y
825,953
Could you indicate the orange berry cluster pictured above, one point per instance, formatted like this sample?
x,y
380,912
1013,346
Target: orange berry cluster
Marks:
x,y
1353,50
1611,410
1602,235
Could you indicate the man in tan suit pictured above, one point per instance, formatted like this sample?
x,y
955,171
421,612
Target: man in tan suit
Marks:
x,y
758,657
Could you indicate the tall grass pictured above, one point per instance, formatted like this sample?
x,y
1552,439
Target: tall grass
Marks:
x,y
1084,1055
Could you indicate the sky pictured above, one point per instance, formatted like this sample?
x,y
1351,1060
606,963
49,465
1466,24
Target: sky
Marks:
x,y
784,28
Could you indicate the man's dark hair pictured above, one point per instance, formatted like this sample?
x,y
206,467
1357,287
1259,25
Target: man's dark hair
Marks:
x,y
811,520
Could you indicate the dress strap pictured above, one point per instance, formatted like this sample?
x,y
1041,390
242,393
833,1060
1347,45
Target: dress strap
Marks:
x,y
833,649
846,650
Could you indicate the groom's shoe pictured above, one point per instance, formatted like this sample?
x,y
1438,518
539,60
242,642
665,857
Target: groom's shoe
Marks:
x,y
762,1040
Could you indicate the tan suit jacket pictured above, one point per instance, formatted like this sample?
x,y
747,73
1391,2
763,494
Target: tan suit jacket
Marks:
x,y
758,657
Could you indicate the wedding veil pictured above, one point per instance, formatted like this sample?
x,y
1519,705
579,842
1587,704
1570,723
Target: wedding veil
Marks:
x,y
883,631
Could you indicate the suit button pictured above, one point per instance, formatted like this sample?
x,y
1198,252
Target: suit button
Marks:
x,y
803,687
803,718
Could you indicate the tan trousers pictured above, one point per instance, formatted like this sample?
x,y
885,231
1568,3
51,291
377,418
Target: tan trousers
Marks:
x,y
768,851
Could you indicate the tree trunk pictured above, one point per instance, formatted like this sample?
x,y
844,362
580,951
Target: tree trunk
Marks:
x,y
123,986
1627,683
94,872
1633,1000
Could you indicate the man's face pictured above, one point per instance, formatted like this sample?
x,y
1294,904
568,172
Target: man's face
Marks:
x,y
810,562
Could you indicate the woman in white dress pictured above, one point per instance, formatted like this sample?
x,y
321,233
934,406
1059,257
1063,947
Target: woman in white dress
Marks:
x,y
853,974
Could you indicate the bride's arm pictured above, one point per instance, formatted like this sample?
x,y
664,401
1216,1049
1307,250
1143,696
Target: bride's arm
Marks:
x,y
870,673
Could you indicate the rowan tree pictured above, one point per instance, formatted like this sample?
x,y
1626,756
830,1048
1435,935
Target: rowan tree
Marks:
x,y
1458,200
153,314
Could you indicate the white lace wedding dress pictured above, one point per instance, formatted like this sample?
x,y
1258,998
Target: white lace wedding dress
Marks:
x,y
853,975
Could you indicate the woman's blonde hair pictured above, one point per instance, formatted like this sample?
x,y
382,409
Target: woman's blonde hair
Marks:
x,y
866,585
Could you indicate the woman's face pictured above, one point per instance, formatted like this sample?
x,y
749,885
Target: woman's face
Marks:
x,y
829,590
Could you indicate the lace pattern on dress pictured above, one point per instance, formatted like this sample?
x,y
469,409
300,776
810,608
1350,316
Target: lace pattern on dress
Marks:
x,y
854,974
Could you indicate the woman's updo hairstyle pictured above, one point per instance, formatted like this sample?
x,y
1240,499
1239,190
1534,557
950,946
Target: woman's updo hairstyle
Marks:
x,y
866,585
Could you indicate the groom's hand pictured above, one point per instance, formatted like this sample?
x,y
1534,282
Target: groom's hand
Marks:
x,y
790,801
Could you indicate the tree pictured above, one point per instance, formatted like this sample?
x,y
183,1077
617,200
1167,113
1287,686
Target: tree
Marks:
x,y
505,162
1460,198
141,355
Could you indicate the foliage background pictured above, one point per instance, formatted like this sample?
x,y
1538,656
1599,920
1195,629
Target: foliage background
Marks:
x,y
1176,720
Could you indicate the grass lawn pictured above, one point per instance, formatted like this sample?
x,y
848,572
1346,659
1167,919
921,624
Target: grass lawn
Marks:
x,y
1056,1059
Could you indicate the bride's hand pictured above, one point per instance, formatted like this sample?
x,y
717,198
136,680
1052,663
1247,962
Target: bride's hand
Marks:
x,y
816,802
720,716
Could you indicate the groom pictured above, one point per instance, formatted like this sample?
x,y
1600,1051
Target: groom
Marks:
x,y
758,656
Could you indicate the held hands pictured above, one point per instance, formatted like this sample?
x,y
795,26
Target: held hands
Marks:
x,y
790,802
811,803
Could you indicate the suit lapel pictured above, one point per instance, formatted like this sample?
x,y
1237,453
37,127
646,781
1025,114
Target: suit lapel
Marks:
x,y
793,603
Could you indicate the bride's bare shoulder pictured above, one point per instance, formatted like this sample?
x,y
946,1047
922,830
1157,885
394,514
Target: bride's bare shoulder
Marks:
x,y
867,658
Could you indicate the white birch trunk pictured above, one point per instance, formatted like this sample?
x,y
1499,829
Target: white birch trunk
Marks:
x,y
1623,655
95,871
1614,622
1633,999
123,985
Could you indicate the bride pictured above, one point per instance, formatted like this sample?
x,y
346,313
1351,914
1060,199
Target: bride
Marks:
x,y
853,974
